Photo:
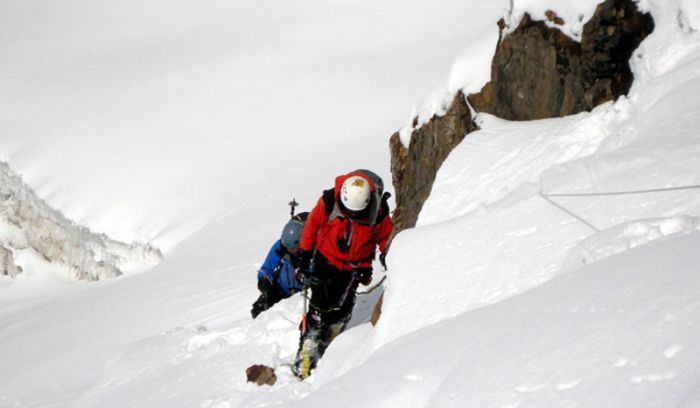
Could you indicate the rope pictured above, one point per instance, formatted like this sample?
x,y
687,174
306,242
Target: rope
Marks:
x,y
613,193
373,288
610,193
569,212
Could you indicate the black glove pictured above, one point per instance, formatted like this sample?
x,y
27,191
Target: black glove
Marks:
x,y
304,261
382,260
264,285
263,302
306,278
364,275
302,277
259,306
303,274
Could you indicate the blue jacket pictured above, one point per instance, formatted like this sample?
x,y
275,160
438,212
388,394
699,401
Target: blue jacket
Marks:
x,y
279,270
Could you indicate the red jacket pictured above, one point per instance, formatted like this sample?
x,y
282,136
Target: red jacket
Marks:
x,y
328,235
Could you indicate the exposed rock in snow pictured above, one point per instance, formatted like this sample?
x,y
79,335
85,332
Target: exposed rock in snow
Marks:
x,y
261,374
28,223
413,169
539,72
7,264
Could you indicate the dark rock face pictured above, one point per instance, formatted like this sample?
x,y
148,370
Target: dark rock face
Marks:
x,y
537,72
533,75
413,170
608,41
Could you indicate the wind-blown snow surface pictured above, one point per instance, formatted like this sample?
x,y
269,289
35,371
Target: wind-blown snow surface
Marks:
x,y
498,298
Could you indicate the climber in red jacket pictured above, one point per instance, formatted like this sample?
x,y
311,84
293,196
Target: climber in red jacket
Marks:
x,y
345,227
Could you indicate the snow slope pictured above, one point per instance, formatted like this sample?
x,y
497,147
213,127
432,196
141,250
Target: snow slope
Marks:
x,y
620,333
498,298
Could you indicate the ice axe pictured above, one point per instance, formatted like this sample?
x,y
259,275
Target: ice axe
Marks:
x,y
293,205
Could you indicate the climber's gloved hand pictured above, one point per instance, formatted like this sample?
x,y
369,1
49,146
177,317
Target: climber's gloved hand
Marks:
x,y
364,275
304,261
307,278
258,307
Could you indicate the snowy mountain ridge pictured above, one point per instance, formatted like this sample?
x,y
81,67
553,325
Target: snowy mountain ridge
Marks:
x,y
34,234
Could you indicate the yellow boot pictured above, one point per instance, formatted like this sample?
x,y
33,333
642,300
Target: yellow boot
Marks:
x,y
305,359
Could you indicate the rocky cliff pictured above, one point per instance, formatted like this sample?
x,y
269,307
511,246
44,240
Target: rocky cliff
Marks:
x,y
537,72
413,169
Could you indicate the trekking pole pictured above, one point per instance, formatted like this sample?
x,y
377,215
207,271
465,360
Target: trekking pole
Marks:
x,y
293,204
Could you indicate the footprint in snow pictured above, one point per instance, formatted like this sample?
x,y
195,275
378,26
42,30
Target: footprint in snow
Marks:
x,y
651,378
672,351
413,377
620,362
202,340
530,388
522,232
568,385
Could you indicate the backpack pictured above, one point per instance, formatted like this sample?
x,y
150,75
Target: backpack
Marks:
x,y
378,201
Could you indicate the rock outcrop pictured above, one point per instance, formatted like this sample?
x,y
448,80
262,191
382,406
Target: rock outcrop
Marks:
x,y
413,169
537,72
27,223
7,264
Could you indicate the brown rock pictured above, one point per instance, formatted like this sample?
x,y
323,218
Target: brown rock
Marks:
x,y
377,311
537,72
553,17
533,73
606,70
413,170
261,374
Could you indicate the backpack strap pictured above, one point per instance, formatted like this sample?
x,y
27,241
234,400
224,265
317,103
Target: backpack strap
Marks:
x,y
384,207
328,200
331,207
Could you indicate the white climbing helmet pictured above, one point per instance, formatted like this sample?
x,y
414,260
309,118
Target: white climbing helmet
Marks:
x,y
355,193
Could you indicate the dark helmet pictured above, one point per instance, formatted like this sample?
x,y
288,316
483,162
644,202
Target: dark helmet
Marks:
x,y
291,233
